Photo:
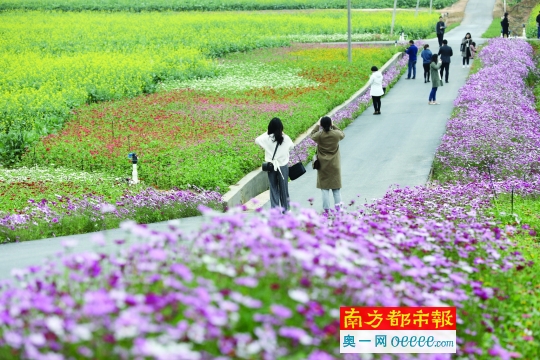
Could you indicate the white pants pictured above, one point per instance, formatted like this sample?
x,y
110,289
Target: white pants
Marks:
x,y
326,198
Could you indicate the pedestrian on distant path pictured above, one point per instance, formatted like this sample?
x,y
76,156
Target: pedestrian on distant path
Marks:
x,y
466,49
436,81
376,90
473,50
538,24
505,25
445,52
426,60
276,147
440,30
327,136
412,51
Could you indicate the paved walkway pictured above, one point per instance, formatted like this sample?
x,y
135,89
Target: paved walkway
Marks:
x,y
396,147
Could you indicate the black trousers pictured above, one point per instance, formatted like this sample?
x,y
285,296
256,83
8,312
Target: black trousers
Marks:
x,y
426,71
440,38
466,58
376,103
444,66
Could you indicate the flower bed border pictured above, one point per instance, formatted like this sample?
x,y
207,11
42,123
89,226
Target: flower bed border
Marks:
x,y
256,182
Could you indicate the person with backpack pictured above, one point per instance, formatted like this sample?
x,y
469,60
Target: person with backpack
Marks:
x,y
445,52
466,49
436,81
505,26
327,136
412,51
277,147
439,29
426,60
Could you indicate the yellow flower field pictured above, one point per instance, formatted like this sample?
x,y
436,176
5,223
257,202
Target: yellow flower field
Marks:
x,y
55,61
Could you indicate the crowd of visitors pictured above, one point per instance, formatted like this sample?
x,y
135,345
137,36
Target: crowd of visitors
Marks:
x,y
327,136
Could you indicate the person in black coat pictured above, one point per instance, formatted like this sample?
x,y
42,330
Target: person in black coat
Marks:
x,y
505,25
445,52
440,30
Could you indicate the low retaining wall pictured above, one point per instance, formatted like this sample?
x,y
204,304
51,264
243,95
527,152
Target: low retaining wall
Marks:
x,y
256,182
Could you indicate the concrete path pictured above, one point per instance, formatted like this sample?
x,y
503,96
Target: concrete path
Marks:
x,y
396,147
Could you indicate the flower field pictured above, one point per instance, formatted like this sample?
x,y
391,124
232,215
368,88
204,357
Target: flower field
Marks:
x,y
55,62
269,286
43,202
202,133
483,142
186,5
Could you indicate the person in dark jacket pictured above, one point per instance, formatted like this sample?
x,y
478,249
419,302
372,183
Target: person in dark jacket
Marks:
x,y
440,30
505,25
466,49
445,52
412,51
426,59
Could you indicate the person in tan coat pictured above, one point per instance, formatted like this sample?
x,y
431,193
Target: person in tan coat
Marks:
x,y
327,136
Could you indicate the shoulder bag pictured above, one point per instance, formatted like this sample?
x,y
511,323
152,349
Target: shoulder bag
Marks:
x,y
268,166
315,162
296,170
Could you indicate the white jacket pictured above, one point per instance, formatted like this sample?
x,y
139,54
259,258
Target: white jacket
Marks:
x,y
269,145
375,80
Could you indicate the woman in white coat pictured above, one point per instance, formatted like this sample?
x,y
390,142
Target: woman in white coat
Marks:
x,y
276,147
376,91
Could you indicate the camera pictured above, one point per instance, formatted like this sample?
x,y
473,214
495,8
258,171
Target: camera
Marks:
x,y
267,166
133,157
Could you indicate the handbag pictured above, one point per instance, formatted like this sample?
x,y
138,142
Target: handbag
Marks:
x,y
268,166
315,162
296,170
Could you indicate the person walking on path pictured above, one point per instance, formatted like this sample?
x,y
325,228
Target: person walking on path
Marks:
x,y
327,136
445,52
376,90
440,30
276,147
426,60
436,81
505,25
538,24
412,51
466,49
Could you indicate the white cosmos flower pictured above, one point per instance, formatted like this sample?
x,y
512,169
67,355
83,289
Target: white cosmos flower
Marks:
x,y
299,295
245,76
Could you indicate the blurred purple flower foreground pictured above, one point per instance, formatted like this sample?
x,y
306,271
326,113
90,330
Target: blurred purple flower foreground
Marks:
x,y
260,286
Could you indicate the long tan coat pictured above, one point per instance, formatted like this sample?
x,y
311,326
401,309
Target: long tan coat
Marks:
x,y
329,175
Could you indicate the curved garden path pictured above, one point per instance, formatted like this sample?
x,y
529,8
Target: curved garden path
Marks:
x,y
396,147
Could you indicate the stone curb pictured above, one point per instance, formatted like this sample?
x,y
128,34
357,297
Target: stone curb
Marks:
x,y
256,182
